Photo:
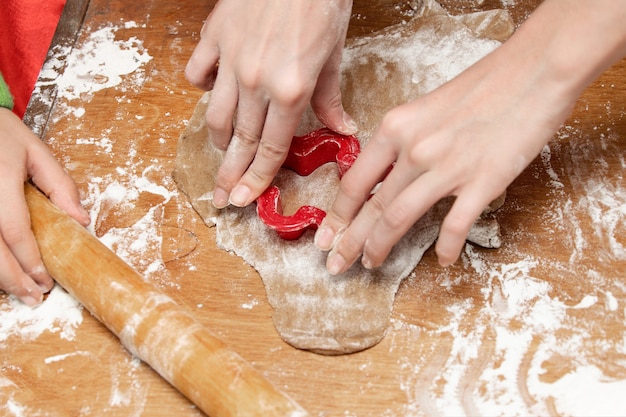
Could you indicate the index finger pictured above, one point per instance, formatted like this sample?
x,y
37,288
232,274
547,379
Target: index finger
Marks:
x,y
20,244
280,126
354,190
201,69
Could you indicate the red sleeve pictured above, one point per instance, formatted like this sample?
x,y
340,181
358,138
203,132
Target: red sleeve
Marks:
x,y
26,30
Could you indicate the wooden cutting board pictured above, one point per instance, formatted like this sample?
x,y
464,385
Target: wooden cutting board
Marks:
x,y
512,329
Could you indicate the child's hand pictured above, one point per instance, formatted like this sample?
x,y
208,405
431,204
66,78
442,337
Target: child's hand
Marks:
x,y
24,156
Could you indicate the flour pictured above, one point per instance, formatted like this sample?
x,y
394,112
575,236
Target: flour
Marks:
x,y
130,242
510,382
58,358
71,76
68,80
59,313
586,392
606,205
100,62
533,325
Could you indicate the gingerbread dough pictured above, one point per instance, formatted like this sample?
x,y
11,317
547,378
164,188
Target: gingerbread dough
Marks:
x,y
312,309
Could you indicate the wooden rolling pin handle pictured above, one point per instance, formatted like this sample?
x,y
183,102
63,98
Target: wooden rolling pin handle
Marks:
x,y
149,323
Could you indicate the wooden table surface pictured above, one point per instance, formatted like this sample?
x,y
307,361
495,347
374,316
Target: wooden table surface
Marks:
x,y
536,327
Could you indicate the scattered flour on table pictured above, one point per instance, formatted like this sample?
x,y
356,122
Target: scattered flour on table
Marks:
x,y
99,62
521,313
131,242
103,60
72,76
518,311
511,292
59,313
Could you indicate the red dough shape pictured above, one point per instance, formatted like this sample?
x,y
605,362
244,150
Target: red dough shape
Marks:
x,y
306,154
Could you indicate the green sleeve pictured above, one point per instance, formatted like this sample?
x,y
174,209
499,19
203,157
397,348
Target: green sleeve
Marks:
x,y
6,99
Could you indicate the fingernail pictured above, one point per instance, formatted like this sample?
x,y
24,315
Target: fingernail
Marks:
x,y
444,262
239,196
220,198
349,124
85,215
335,263
324,238
366,261
31,300
45,288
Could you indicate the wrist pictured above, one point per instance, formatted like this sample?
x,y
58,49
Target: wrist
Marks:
x,y
576,41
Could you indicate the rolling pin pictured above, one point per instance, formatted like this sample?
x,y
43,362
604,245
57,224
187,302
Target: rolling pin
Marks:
x,y
149,323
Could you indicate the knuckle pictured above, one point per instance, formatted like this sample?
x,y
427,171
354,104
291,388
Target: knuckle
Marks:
x,y
424,154
336,220
245,138
227,177
292,92
375,252
191,74
13,235
319,103
456,226
217,121
335,100
273,151
62,182
348,244
250,77
398,218
10,277
12,284
259,179
375,206
391,125
348,188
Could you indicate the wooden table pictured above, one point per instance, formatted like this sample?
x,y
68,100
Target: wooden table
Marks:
x,y
505,331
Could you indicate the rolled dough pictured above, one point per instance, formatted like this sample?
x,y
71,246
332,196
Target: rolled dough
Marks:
x,y
313,310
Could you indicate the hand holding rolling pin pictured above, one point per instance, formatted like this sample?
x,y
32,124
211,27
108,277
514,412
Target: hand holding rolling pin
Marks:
x,y
22,156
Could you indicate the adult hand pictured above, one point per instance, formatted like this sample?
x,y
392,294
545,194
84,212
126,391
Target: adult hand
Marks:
x,y
265,60
469,138
23,155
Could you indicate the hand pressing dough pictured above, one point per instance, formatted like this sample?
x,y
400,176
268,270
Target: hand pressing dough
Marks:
x,y
312,309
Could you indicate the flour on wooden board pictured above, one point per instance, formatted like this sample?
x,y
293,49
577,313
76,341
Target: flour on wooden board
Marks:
x,y
132,242
520,311
102,61
511,292
523,313
59,313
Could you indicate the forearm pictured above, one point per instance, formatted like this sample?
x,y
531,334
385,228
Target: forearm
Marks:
x,y
574,41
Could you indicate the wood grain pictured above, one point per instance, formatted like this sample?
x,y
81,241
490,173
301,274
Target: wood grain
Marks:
x,y
150,324
446,347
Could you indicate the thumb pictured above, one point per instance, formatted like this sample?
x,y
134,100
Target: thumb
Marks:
x,y
48,175
326,100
